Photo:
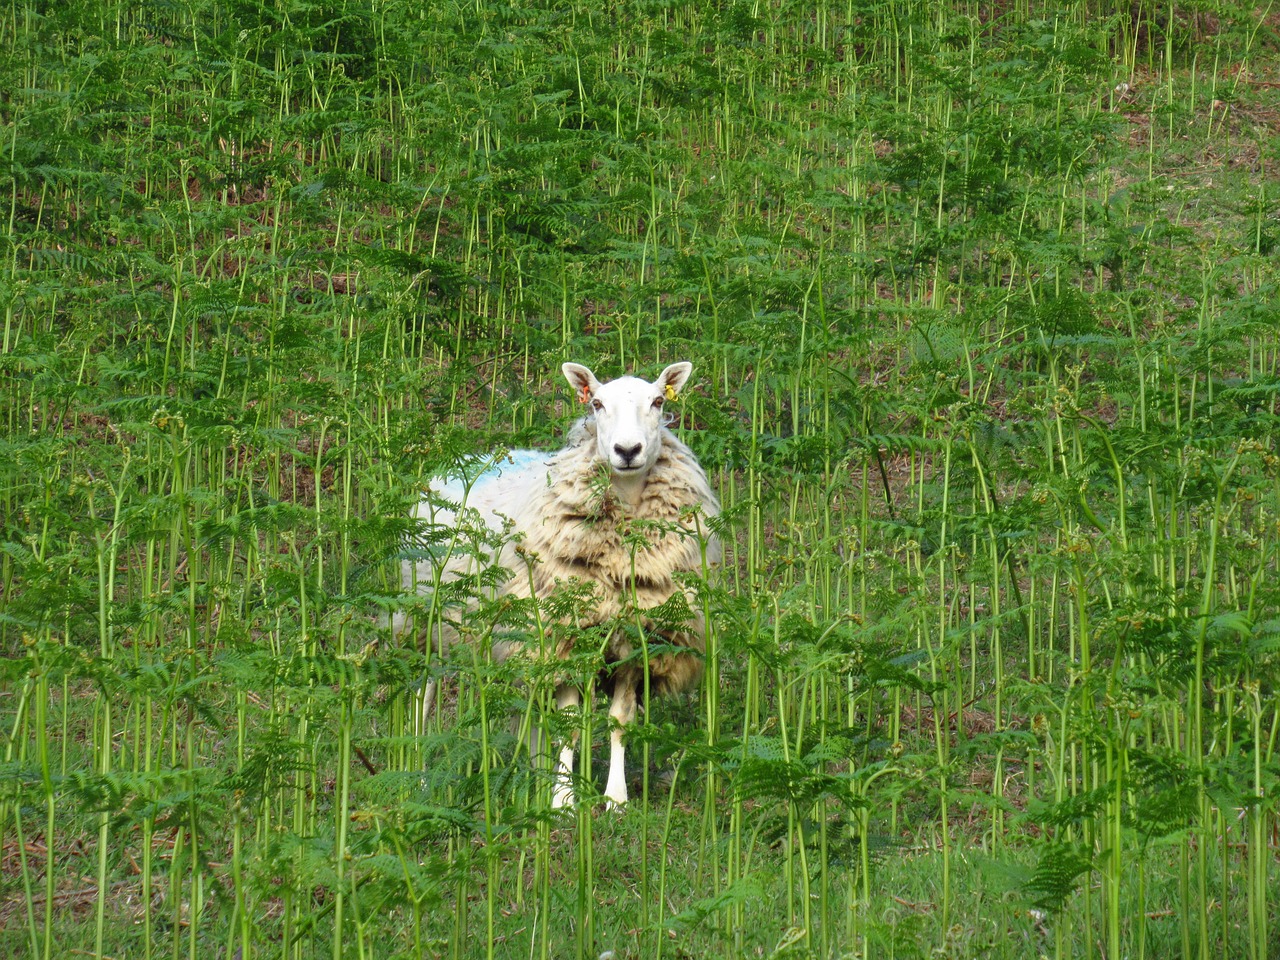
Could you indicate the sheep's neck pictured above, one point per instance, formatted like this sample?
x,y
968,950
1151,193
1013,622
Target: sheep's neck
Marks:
x,y
628,491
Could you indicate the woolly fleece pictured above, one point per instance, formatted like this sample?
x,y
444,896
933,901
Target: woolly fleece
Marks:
x,y
568,521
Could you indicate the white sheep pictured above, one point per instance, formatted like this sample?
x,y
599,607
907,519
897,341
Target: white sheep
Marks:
x,y
569,515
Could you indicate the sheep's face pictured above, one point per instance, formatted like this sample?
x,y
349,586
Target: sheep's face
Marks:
x,y
628,417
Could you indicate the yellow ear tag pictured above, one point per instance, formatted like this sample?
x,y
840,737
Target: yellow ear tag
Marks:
x,y
671,392
584,394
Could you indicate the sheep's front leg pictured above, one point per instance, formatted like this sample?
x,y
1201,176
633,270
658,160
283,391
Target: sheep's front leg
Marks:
x,y
622,711
567,696
426,700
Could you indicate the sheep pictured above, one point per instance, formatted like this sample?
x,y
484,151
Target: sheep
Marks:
x,y
569,513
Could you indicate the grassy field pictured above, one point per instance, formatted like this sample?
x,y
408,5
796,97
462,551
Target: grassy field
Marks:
x,y
982,303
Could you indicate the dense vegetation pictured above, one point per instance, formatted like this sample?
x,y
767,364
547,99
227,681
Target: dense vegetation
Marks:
x,y
982,302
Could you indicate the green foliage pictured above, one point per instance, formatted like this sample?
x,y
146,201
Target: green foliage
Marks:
x,y
983,309
1056,875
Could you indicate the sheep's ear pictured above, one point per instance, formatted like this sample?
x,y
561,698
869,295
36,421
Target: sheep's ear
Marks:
x,y
582,380
673,379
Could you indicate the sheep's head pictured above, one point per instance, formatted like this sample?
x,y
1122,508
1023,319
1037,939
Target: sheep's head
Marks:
x,y
628,417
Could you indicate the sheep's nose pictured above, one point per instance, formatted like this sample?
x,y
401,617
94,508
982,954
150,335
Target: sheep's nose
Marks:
x,y
627,453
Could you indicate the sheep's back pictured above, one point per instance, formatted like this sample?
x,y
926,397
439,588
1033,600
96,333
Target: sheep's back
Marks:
x,y
494,490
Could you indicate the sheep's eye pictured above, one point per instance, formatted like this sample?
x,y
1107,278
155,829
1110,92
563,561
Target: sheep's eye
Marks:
x,y
657,403
596,405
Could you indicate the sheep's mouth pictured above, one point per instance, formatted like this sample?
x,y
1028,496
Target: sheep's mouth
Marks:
x,y
627,468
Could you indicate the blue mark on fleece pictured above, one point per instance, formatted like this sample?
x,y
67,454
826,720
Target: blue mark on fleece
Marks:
x,y
518,460
479,471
